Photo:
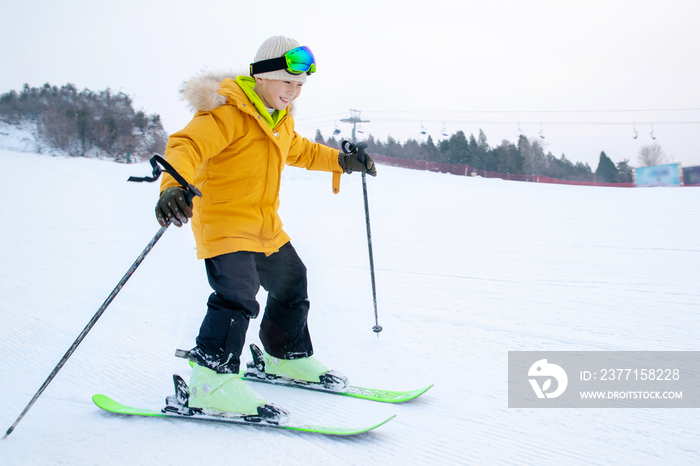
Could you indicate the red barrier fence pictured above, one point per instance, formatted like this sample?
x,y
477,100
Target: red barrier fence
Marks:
x,y
466,170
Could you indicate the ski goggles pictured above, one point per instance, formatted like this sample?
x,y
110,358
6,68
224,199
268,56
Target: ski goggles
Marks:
x,y
296,61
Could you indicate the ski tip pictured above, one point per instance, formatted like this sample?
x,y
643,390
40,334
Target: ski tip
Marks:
x,y
396,397
108,404
421,391
341,431
104,402
382,423
409,395
386,420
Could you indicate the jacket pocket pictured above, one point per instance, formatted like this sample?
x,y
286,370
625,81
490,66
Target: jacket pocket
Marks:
x,y
229,193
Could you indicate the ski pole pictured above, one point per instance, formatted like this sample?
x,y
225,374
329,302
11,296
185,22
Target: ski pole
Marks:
x,y
377,328
359,148
191,191
88,327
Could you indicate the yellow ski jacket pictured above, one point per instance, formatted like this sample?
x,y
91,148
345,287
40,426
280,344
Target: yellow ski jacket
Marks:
x,y
230,152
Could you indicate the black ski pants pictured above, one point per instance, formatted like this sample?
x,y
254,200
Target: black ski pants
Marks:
x,y
236,279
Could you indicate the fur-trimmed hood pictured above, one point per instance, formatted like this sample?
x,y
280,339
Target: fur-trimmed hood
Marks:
x,y
201,91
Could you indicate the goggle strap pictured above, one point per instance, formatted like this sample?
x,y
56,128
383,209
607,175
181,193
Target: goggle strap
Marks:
x,y
265,66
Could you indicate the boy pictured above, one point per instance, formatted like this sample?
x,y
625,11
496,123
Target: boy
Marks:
x,y
234,150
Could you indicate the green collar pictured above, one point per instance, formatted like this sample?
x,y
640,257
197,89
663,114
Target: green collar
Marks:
x,y
247,83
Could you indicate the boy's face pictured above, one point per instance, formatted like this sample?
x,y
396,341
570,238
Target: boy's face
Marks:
x,y
277,94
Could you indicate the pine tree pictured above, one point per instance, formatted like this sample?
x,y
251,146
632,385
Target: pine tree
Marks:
x,y
428,150
319,137
484,153
607,171
508,158
459,149
624,172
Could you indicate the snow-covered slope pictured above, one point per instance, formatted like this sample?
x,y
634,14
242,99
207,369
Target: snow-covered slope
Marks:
x,y
467,270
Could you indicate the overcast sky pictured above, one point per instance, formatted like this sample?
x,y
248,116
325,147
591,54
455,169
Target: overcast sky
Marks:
x,y
584,74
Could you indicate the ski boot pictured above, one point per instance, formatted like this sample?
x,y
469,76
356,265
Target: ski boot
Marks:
x,y
224,395
302,371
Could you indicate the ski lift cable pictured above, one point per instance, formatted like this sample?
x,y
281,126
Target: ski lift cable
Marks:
x,y
321,116
549,123
331,127
540,111
320,124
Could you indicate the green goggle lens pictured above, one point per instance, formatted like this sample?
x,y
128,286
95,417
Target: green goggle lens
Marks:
x,y
300,60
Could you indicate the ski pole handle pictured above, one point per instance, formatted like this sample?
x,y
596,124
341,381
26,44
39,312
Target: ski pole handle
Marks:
x,y
361,154
156,162
348,147
359,149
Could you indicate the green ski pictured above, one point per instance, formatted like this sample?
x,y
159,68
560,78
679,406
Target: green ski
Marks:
x,y
372,394
108,404
255,372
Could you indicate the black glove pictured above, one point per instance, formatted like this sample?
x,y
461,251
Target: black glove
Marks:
x,y
351,163
174,207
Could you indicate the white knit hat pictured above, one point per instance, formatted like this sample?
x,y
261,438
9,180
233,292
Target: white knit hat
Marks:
x,y
277,46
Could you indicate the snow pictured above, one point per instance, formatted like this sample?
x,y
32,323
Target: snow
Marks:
x,y
20,137
467,269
